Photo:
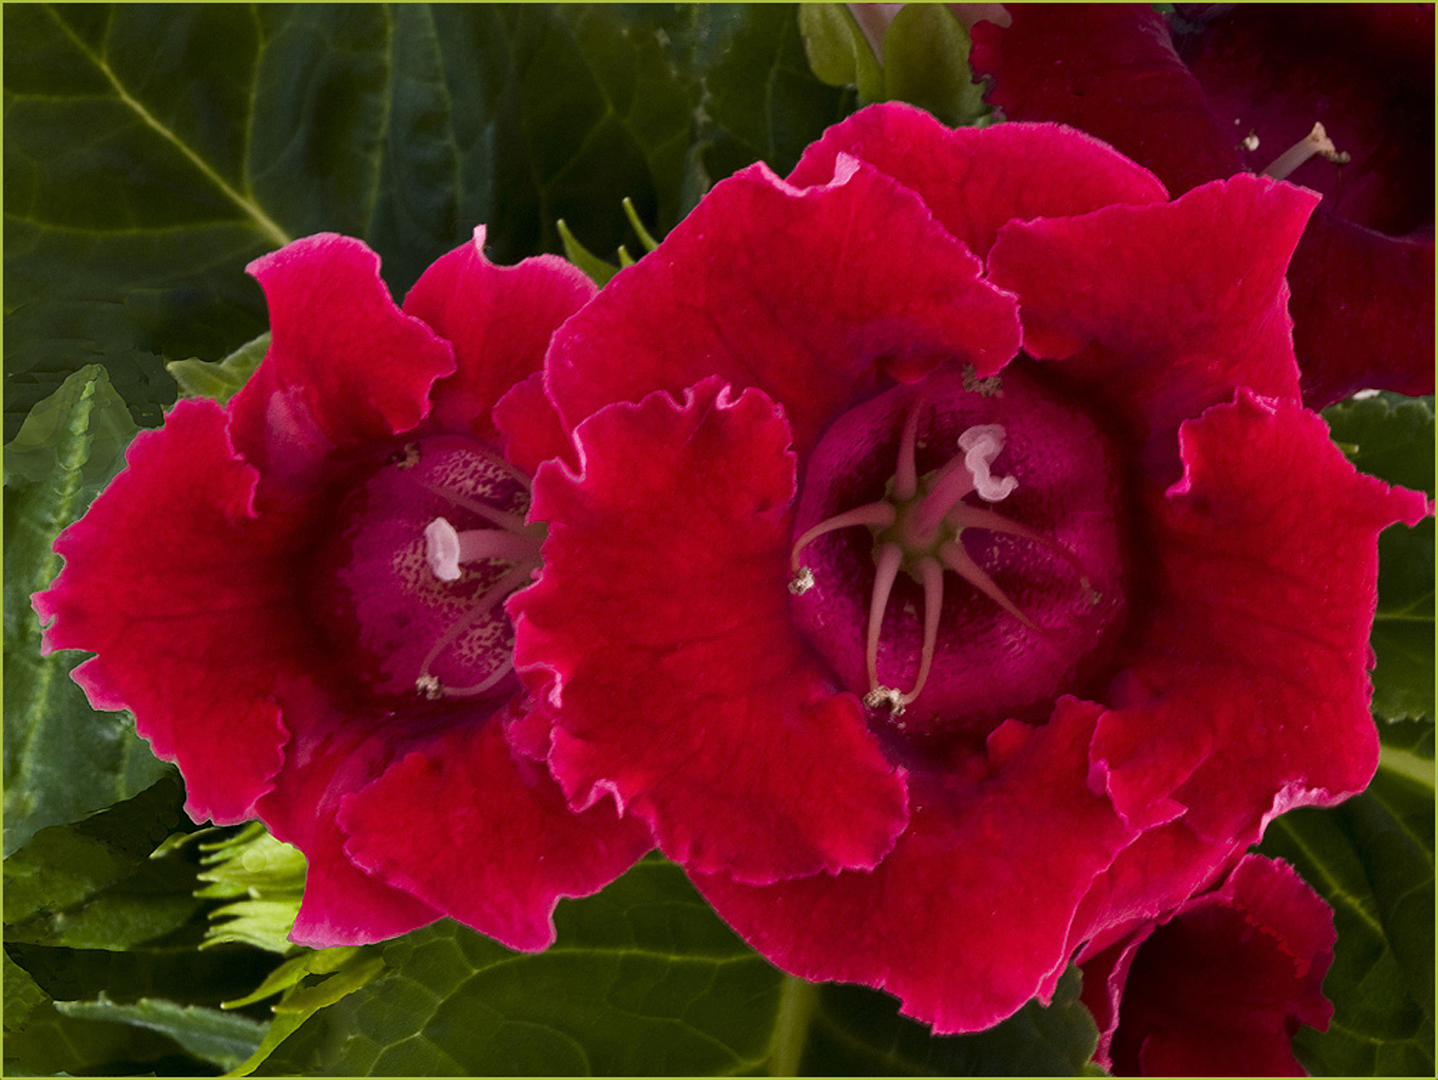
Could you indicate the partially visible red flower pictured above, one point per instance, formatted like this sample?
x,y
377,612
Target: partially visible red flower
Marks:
x,y
1235,95
300,597
949,571
1219,986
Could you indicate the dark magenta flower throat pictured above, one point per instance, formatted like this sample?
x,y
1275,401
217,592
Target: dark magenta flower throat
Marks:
x,y
429,547
959,552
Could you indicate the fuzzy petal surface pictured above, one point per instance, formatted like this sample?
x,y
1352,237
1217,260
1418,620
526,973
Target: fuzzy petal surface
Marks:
x,y
499,320
1164,309
969,916
975,180
869,284
659,632
345,366
499,810
1266,579
1219,987
165,577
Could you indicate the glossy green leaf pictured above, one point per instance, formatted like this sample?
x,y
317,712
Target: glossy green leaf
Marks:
x,y
764,102
1392,437
644,980
151,152
1372,859
65,865
22,995
222,1039
61,759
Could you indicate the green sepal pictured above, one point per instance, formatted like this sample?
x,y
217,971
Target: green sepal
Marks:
x,y
838,51
926,63
220,379
222,1039
596,268
264,880
644,235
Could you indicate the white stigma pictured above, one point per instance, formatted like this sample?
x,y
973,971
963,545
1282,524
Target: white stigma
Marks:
x,y
441,549
981,444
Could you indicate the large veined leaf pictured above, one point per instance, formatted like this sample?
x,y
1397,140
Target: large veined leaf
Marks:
x,y
1392,437
62,759
150,152
1372,860
645,980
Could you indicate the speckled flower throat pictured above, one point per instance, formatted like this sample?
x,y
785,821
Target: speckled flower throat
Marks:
x,y
958,554
429,546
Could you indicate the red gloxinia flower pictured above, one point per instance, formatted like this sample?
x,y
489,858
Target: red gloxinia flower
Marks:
x,y
1244,94
1219,986
299,598
930,658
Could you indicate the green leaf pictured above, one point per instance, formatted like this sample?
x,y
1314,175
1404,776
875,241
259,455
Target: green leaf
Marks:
x,y
1372,859
61,759
926,63
220,379
64,865
764,101
859,1031
22,995
223,1039
645,979
1392,438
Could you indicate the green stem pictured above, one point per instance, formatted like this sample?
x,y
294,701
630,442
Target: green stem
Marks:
x,y
797,1001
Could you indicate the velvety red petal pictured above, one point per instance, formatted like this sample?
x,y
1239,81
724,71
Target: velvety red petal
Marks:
x,y
661,625
530,428
335,751
1248,691
345,366
1219,988
812,295
1164,309
464,792
186,597
1363,311
975,180
499,319
968,917
1111,70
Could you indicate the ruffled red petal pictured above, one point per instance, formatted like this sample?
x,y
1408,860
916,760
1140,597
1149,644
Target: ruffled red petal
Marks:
x,y
1219,988
187,598
661,625
499,320
868,285
975,180
970,915
1264,579
334,751
503,846
1163,310
345,366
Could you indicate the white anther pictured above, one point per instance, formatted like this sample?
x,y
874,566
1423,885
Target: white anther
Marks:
x,y
886,695
803,581
428,687
441,549
981,444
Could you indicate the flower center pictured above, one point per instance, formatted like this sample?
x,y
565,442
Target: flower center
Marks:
x,y
431,543
929,602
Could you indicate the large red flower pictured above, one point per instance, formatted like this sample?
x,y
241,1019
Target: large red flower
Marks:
x,y
948,570
299,597
1221,984
1242,92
